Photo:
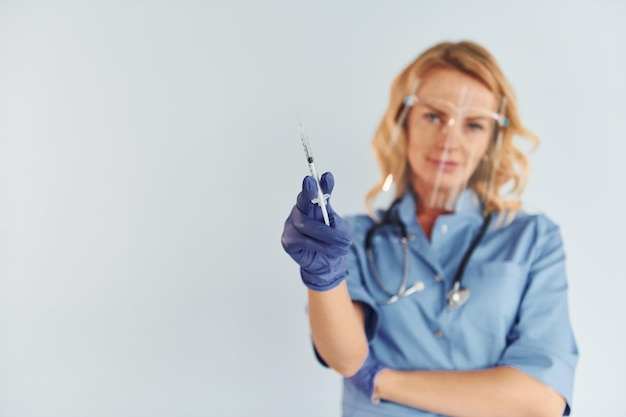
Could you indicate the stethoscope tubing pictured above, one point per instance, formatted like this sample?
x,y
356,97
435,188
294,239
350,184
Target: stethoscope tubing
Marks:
x,y
390,220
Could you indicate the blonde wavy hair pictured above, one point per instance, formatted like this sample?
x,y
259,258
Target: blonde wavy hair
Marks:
x,y
512,168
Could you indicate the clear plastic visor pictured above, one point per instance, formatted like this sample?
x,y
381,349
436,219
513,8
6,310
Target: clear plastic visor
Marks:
x,y
437,116
448,146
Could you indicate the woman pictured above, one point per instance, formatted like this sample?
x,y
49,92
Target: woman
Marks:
x,y
453,301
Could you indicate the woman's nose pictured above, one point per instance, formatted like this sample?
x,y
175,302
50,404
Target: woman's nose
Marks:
x,y
450,132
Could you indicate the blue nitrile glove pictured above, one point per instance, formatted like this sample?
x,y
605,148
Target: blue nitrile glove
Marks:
x,y
320,250
365,378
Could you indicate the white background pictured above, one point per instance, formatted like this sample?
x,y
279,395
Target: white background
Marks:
x,y
149,154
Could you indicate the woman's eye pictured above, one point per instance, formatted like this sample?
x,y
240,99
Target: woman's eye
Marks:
x,y
475,127
433,117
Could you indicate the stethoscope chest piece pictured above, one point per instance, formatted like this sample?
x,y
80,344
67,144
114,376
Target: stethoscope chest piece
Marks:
x,y
457,297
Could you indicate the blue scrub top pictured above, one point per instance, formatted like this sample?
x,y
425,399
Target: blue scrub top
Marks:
x,y
516,315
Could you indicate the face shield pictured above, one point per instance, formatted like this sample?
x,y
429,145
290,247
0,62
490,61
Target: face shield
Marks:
x,y
452,143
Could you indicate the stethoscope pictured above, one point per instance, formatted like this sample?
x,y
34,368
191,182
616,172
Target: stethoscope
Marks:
x,y
457,296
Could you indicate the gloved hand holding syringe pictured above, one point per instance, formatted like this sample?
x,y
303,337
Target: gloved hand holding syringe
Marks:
x,y
321,197
321,250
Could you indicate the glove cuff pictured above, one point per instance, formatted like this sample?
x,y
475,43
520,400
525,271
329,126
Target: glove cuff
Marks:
x,y
322,283
365,378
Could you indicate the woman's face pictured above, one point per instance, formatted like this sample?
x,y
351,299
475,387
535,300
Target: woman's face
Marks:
x,y
449,128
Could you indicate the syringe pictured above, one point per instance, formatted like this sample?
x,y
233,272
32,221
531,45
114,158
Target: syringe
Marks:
x,y
321,198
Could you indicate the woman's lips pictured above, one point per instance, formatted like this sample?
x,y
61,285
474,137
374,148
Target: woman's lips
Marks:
x,y
443,165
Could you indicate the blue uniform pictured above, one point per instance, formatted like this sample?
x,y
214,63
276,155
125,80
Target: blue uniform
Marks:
x,y
516,315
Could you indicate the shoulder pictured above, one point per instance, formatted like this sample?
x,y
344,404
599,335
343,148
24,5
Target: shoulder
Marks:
x,y
528,220
532,233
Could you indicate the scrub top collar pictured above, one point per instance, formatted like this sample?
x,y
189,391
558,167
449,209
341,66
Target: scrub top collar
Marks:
x,y
468,204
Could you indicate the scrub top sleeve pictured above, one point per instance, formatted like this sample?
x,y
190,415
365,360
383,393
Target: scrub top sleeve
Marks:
x,y
358,292
541,343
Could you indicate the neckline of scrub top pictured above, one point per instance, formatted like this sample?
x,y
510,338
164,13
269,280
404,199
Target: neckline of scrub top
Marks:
x,y
467,204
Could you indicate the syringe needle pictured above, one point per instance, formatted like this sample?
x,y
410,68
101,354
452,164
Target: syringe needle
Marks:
x,y
321,199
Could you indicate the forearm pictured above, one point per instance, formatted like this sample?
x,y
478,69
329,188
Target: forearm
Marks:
x,y
337,329
497,392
